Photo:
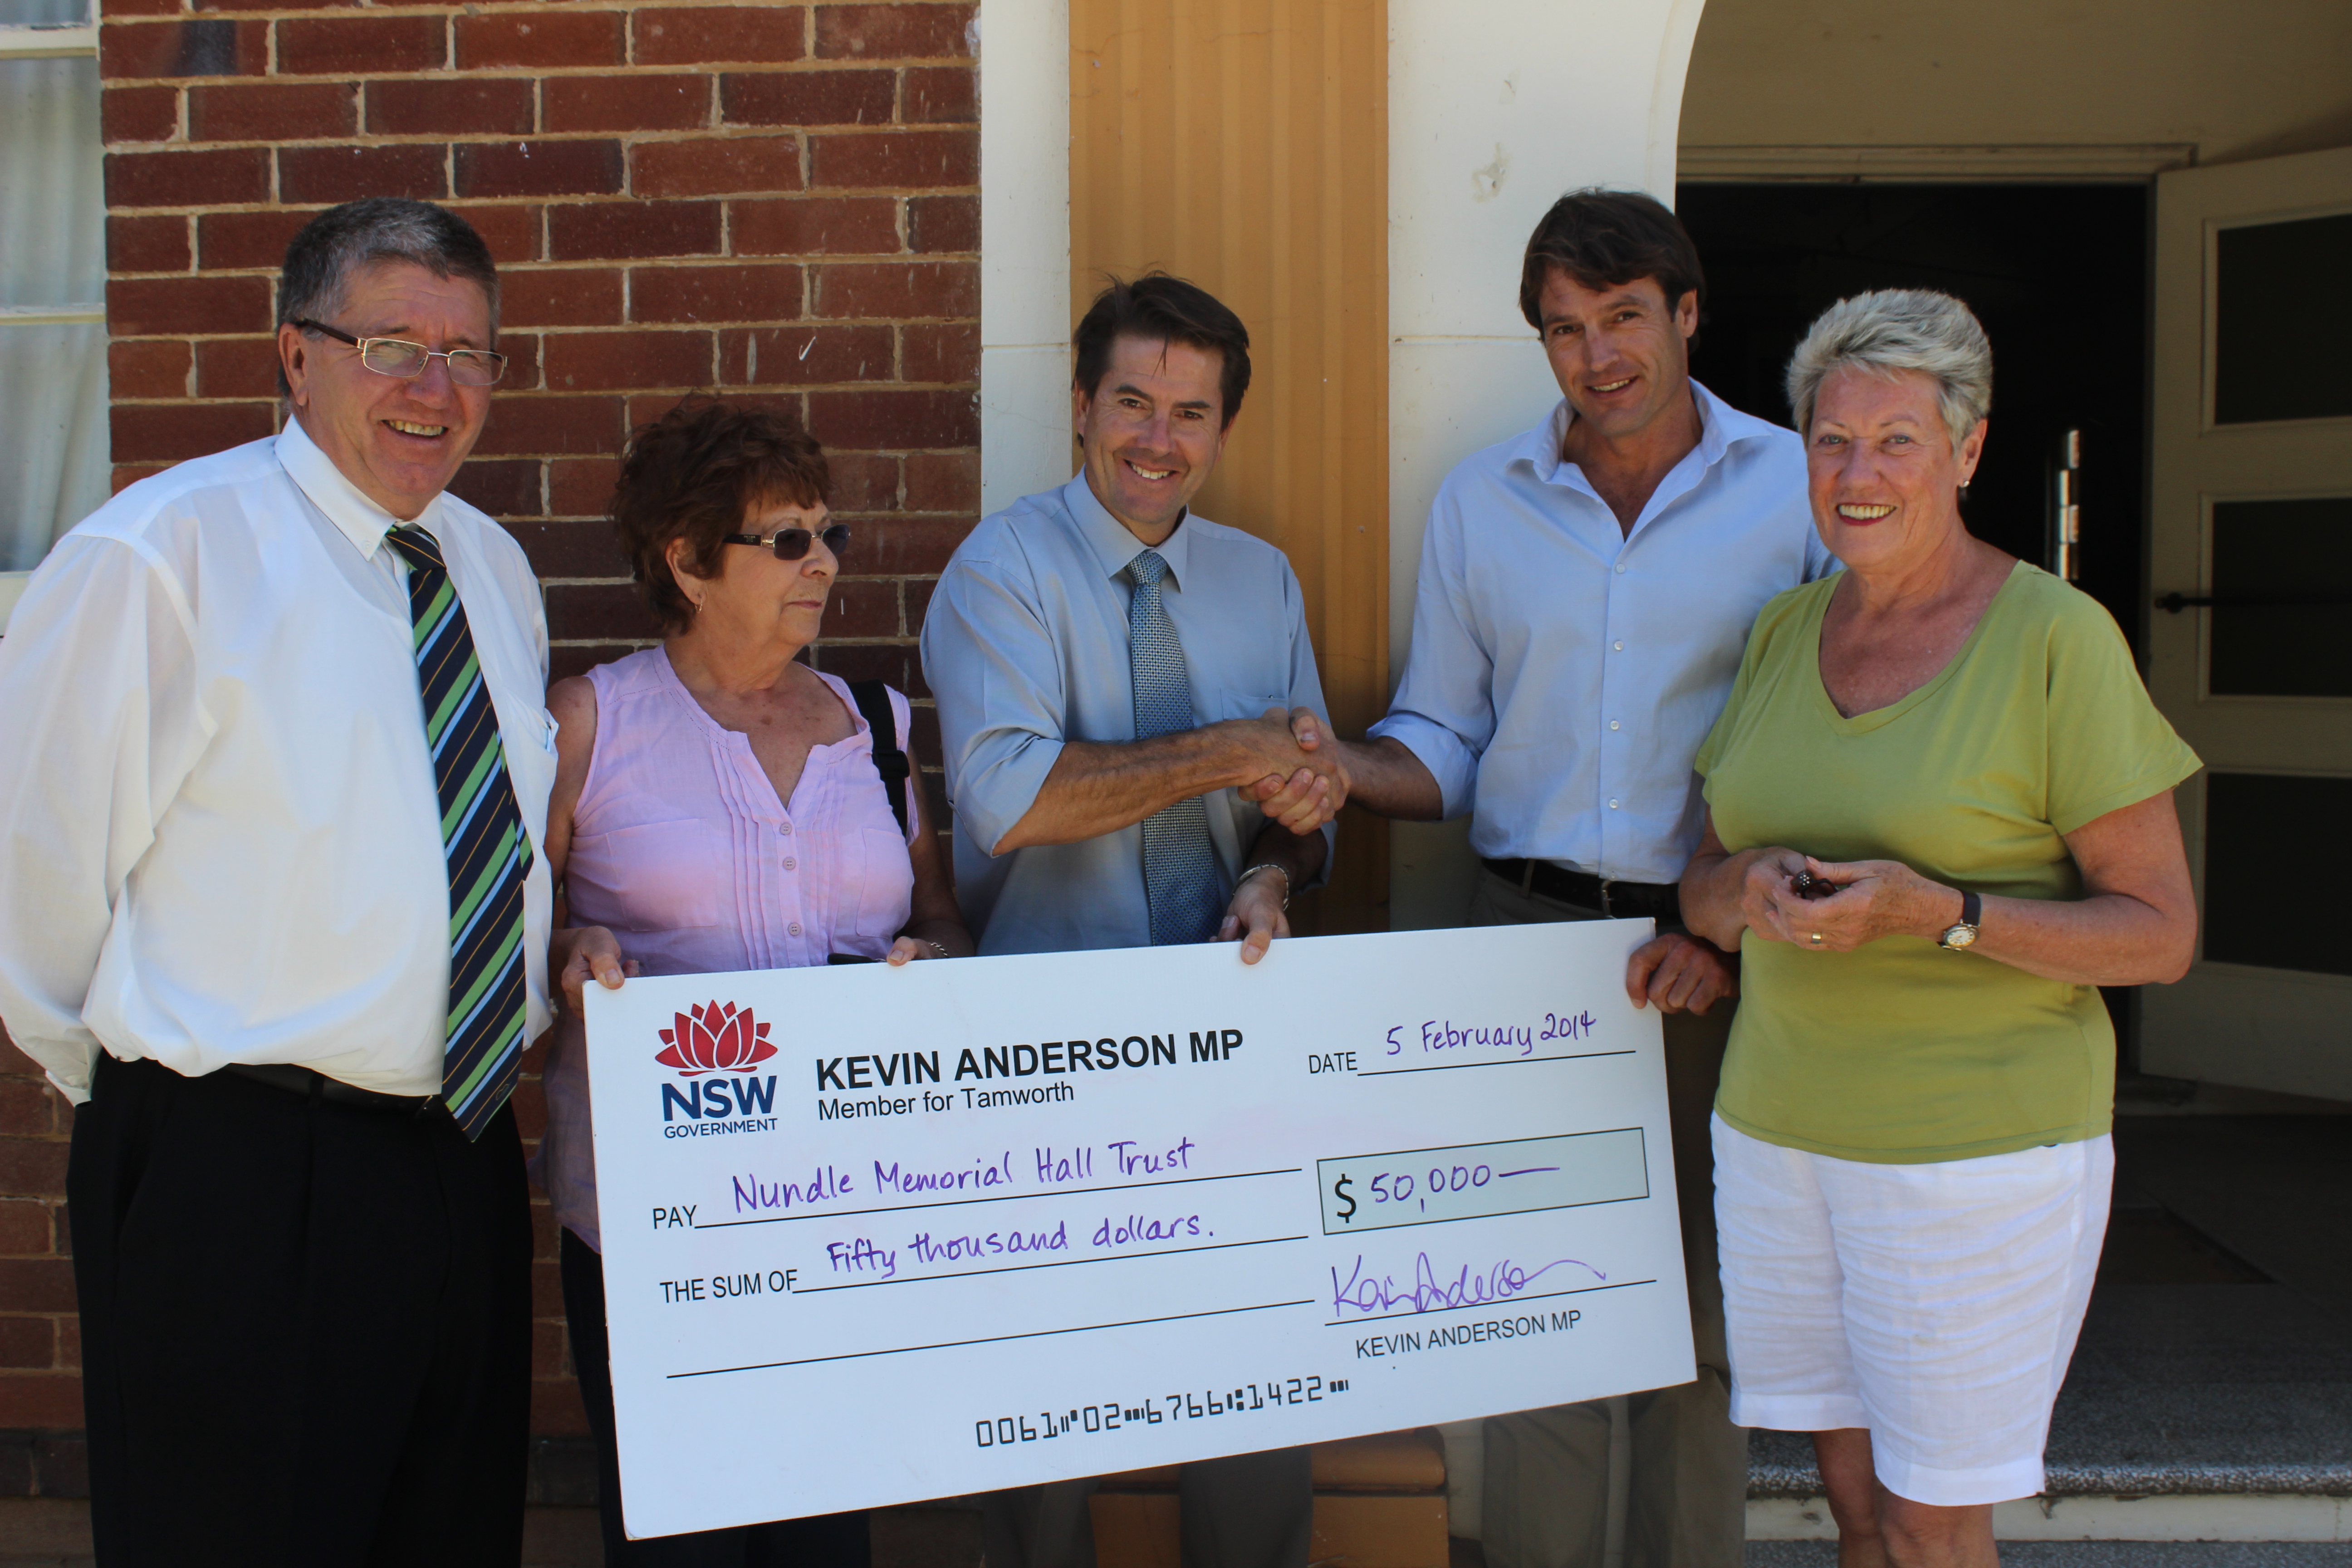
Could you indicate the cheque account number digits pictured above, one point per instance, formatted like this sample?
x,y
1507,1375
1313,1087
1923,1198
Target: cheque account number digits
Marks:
x,y
1005,1431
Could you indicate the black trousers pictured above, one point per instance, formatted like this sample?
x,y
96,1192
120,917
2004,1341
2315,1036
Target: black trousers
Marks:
x,y
306,1327
1548,1471
826,1540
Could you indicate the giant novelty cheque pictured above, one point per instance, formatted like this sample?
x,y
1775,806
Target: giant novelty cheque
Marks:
x,y
876,1235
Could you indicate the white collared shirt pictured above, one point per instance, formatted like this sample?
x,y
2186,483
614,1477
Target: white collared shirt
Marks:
x,y
1564,672
220,839
1025,646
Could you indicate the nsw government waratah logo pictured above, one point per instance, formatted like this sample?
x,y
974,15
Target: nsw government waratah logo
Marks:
x,y
712,1039
705,1042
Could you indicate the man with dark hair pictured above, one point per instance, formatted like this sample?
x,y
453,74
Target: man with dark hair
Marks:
x,y
1115,675
274,918
1116,679
1585,594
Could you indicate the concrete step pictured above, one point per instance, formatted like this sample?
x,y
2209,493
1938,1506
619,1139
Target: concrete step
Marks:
x,y
2207,1418
2178,1390
2296,1519
2195,1415
2094,1554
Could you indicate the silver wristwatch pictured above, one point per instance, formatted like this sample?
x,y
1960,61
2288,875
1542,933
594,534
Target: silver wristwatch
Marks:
x,y
1963,936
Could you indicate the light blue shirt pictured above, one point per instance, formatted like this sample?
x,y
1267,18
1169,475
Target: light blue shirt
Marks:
x,y
1564,672
1025,646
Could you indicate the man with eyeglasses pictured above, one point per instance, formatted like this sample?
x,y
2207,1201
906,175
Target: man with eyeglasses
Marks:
x,y
272,915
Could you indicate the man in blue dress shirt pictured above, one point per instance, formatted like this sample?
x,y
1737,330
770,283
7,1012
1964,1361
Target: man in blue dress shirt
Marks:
x,y
1585,594
1117,680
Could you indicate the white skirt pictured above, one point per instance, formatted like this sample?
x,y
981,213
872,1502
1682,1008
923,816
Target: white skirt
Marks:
x,y
1936,1305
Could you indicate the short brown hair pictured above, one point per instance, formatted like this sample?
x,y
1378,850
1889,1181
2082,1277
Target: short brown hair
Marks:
x,y
696,472
1162,309
1605,240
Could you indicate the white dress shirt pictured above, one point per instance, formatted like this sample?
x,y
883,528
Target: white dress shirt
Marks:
x,y
1564,672
1024,644
222,833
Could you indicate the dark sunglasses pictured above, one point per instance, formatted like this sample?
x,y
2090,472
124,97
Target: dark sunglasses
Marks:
x,y
792,543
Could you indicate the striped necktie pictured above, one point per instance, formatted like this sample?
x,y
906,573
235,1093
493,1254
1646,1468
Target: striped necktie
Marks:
x,y
1180,867
482,837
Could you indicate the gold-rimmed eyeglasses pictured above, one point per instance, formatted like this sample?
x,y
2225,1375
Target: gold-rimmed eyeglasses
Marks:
x,y
406,361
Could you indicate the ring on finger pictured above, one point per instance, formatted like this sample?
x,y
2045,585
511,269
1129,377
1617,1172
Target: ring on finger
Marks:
x,y
1815,939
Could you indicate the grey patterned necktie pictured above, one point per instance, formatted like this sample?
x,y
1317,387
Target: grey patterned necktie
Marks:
x,y
1180,867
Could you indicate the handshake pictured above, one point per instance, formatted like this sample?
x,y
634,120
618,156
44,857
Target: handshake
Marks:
x,y
1304,779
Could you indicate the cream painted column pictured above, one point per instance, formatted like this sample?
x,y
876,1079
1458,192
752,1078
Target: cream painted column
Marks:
x,y
1490,121
1025,249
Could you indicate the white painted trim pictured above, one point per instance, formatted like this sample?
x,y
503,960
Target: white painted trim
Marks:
x,y
1986,164
1024,248
50,315
47,41
1667,98
1481,140
11,588
2241,1516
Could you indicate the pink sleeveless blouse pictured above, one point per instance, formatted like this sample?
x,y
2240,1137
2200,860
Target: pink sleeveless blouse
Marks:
x,y
680,848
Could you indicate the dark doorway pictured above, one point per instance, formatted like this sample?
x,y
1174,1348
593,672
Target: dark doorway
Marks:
x,y
2057,273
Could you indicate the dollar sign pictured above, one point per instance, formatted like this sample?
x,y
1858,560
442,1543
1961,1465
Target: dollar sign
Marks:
x,y
1340,1190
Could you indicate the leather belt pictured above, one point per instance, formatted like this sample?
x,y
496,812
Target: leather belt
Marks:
x,y
1661,901
311,1084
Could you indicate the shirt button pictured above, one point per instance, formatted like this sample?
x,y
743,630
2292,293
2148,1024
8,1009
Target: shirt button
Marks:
x,y
786,829
1620,566
1612,724
1612,805
795,927
792,865
1620,646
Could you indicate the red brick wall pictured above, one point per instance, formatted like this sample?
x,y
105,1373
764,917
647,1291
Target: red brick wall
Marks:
x,y
775,201
40,1341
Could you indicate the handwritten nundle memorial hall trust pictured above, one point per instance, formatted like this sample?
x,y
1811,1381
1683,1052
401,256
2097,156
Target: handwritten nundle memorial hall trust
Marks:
x,y
874,227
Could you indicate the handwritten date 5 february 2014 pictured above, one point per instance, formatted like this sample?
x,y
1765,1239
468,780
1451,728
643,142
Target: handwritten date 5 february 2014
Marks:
x,y
1446,1035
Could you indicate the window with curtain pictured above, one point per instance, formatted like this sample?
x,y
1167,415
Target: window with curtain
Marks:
x,y
53,436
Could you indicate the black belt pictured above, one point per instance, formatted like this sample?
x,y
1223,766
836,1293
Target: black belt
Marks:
x,y
1619,900
314,1085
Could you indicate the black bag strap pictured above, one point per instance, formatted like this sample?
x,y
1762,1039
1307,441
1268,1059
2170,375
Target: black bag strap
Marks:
x,y
872,699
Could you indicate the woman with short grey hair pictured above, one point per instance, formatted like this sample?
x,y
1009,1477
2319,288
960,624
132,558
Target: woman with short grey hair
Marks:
x,y
1939,819
1895,331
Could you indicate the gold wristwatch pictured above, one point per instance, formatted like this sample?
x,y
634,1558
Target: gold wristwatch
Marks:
x,y
1963,936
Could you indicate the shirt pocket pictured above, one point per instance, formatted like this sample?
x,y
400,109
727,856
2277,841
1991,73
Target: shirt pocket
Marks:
x,y
656,875
883,879
1250,700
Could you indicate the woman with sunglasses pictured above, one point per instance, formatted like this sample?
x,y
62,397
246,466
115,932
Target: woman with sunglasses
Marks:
x,y
721,805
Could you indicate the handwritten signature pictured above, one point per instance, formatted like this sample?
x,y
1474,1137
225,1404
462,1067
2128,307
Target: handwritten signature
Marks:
x,y
1427,1293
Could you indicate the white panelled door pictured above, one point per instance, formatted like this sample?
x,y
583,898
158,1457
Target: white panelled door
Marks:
x,y
2250,565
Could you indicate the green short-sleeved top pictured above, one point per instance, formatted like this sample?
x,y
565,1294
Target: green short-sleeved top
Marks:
x,y
1900,1052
